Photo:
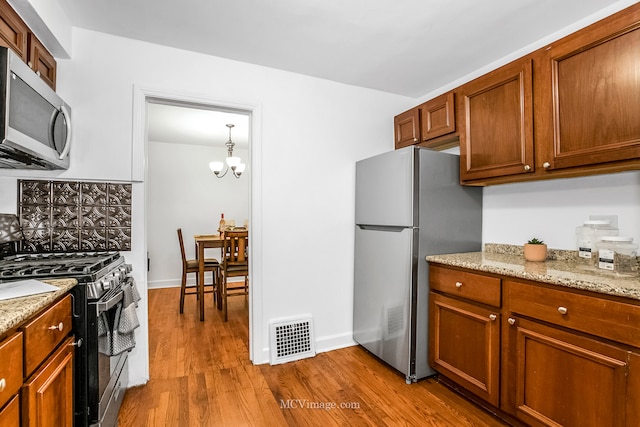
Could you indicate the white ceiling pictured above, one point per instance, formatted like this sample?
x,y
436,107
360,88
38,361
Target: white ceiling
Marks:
x,y
192,125
405,47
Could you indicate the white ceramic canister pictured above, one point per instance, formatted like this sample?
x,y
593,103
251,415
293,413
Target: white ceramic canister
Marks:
x,y
618,254
587,237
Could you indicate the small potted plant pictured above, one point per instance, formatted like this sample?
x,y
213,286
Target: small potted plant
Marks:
x,y
535,250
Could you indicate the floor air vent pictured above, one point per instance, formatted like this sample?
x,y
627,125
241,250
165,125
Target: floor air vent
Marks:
x,y
291,340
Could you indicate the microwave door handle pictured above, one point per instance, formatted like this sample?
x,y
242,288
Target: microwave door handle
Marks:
x,y
67,142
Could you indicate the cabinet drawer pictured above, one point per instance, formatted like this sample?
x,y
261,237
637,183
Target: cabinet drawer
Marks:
x,y
45,332
10,367
614,320
472,286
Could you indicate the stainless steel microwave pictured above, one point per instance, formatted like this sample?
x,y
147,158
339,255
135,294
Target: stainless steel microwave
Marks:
x,y
35,123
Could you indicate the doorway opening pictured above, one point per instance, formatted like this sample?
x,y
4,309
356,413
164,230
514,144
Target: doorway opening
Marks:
x,y
182,192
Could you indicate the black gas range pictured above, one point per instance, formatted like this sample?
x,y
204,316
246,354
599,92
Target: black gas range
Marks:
x,y
95,270
101,372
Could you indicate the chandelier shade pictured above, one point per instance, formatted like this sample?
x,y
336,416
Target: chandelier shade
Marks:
x,y
233,163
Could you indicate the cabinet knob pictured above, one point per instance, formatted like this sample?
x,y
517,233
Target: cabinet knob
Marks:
x,y
38,73
511,321
527,168
493,317
416,140
562,310
59,326
546,165
3,384
458,284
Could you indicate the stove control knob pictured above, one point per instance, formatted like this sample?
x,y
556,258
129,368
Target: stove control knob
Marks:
x,y
127,268
105,284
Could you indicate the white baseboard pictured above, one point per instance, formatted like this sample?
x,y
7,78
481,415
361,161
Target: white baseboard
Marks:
x,y
335,342
322,345
175,283
159,284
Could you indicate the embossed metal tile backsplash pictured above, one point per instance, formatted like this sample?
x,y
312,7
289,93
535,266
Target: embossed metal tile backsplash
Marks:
x,y
67,216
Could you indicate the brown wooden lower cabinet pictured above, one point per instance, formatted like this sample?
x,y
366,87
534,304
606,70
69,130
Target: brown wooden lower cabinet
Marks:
x,y
36,370
564,379
546,357
465,345
47,396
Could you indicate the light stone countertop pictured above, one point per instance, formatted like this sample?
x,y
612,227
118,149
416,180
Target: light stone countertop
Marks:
x,y
561,272
16,310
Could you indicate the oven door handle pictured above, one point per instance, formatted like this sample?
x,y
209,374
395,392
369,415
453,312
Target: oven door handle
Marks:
x,y
110,303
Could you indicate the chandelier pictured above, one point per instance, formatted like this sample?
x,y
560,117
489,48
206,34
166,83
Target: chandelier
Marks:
x,y
232,162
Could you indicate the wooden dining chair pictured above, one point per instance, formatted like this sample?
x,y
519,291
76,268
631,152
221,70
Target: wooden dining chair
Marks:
x,y
235,263
191,266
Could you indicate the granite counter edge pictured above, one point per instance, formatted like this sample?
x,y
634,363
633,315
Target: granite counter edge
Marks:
x,y
15,311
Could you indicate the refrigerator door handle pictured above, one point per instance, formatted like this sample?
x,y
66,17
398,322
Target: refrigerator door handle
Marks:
x,y
392,228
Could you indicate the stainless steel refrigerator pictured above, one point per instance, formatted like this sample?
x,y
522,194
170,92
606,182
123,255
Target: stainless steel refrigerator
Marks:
x,y
409,204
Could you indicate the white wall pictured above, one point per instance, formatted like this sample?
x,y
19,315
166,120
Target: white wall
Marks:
x,y
8,194
311,133
551,210
183,193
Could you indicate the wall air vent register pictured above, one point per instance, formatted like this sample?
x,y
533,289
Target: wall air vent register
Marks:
x,y
291,340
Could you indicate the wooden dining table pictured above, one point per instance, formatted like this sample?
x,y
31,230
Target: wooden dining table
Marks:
x,y
204,241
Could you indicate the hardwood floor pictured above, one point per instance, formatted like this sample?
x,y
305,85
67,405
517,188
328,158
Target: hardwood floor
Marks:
x,y
201,376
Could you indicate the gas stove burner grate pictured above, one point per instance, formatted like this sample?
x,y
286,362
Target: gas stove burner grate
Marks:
x,y
40,265
60,256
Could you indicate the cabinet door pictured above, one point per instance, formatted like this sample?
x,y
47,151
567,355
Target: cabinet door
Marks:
x,y
565,379
407,128
10,415
587,96
41,61
496,130
47,397
437,117
464,345
13,32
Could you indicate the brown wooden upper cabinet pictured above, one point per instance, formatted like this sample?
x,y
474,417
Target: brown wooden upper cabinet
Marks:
x,y
15,35
427,123
41,61
587,92
407,128
496,123
568,109
13,31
